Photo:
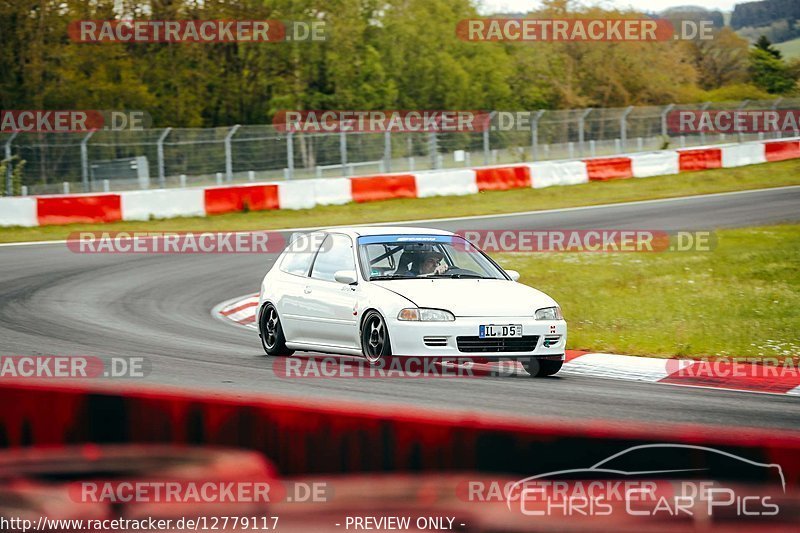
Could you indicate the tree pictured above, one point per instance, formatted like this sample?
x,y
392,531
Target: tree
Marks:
x,y
380,54
764,44
720,61
770,73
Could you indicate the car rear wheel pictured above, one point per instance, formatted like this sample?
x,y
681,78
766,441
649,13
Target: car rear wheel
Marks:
x,y
537,368
375,339
271,332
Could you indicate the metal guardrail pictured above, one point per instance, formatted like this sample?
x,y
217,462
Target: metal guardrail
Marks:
x,y
185,157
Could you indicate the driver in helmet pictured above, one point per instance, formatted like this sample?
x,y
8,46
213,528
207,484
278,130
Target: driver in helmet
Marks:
x,y
430,263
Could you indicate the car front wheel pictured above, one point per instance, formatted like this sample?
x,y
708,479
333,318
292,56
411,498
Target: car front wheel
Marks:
x,y
271,332
375,339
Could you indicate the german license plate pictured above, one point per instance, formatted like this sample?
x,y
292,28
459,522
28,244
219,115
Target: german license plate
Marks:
x,y
500,330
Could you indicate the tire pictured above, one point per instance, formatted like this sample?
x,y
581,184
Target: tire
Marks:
x,y
375,345
537,368
271,332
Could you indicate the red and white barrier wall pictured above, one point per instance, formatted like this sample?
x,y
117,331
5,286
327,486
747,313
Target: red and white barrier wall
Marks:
x,y
305,194
307,436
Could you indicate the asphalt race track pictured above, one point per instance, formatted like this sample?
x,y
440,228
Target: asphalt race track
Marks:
x,y
53,301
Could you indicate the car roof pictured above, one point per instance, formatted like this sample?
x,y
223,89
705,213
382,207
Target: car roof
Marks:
x,y
358,231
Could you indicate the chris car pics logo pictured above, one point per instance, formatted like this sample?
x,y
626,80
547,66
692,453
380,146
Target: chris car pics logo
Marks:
x,y
654,480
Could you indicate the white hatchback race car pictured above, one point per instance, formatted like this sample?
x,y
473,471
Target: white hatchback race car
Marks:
x,y
392,291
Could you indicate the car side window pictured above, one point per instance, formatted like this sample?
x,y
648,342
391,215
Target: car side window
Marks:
x,y
299,254
335,254
465,259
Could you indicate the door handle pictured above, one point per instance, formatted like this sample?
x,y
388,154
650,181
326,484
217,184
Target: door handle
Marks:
x,y
307,290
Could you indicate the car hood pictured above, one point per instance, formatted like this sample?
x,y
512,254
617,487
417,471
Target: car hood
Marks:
x,y
471,297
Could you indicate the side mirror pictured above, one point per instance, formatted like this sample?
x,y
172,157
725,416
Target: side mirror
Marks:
x,y
348,277
513,274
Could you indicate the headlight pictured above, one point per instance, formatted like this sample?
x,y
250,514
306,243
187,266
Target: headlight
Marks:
x,y
549,313
426,315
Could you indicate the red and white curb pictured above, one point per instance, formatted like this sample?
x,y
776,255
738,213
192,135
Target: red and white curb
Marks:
x,y
239,311
741,377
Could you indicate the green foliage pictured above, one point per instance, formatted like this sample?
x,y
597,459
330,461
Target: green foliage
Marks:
x,y
771,73
392,54
728,93
17,166
719,61
764,44
703,303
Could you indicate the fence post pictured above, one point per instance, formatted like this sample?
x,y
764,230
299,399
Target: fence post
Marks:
x,y
387,150
779,133
582,129
664,131
486,147
290,155
702,133
741,106
85,161
228,155
433,150
535,134
343,152
623,126
9,185
162,179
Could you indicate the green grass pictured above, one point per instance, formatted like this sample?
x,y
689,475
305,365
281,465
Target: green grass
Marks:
x,y
705,182
740,300
789,49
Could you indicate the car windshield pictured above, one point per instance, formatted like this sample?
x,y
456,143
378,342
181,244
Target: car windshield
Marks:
x,y
389,257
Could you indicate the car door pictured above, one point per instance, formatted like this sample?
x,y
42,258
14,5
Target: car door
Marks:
x,y
332,306
295,268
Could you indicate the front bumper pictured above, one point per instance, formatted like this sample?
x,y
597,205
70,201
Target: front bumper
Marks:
x,y
440,339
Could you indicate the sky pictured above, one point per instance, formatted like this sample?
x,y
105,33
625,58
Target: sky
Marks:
x,y
645,5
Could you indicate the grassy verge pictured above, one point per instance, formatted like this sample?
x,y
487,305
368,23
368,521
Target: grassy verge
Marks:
x,y
710,181
741,299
